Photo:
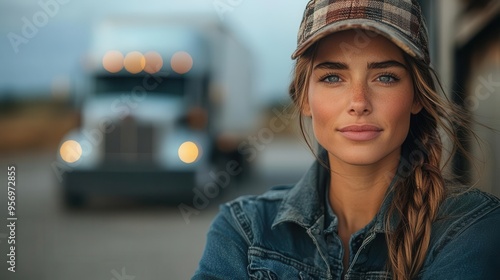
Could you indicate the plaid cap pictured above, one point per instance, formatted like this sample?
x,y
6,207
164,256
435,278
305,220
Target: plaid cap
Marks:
x,y
400,21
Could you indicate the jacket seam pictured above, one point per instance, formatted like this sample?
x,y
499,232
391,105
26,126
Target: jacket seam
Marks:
x,y
243,222
261,252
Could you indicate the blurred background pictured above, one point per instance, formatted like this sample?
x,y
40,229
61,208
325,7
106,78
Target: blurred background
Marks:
x,y
129,122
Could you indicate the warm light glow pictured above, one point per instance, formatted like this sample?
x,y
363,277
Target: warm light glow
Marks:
x,y
188,152
134,62
154,62
181,62
112,61
70,151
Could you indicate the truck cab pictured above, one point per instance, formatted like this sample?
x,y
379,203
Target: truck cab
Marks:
x,y
166,101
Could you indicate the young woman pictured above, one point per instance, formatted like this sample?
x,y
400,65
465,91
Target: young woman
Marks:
x,y
375,205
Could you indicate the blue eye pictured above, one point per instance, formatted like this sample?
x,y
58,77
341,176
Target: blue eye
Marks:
x,y
331,79
388,79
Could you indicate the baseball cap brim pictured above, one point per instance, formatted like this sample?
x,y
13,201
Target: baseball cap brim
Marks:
x,y
391,33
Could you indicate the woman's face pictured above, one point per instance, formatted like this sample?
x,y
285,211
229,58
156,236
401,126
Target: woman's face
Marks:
x,y
360,98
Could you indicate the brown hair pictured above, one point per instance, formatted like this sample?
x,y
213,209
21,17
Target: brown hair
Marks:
x,y
418,193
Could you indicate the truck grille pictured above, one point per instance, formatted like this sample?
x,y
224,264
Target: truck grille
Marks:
x,y
129,142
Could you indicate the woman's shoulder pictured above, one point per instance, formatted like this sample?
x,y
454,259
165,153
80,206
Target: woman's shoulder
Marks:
x,y
253,204
465,212
464,238
261,208
462,200
251,214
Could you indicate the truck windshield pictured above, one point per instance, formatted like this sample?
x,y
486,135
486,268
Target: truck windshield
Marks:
x,y
163,85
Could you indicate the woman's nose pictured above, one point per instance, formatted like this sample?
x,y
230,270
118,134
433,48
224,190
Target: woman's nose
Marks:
x,y
360,99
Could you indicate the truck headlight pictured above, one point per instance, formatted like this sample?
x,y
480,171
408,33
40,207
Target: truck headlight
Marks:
x,y
188,152
70,151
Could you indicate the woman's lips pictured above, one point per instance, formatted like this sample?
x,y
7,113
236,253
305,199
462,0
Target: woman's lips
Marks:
x,y
360,132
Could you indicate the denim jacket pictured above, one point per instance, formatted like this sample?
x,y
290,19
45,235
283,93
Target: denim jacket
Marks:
x,y
290,232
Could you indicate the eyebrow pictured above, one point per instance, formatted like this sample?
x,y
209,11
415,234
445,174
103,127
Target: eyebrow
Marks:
x,y
386,64
332,66
372,65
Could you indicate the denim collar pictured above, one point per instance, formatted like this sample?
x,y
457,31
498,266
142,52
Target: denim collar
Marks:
x,y
305,203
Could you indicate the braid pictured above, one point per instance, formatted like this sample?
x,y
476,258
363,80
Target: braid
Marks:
x,y
416,200
417,197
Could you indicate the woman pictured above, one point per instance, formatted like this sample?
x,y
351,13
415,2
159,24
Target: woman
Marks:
x,y
375,205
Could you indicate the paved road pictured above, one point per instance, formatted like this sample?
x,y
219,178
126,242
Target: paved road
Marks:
x,y
119,240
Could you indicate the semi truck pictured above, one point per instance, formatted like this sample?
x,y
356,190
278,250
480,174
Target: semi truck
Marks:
x,y
166,102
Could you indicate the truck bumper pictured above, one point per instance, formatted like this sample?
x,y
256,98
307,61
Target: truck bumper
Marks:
x,y
130,182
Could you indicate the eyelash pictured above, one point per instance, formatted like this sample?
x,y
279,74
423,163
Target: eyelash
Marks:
x,y
391,75
322,78
385,74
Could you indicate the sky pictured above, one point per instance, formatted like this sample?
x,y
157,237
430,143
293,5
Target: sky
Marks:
x,y
44,42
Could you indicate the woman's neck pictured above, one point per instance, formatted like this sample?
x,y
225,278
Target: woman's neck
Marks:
x,y
356,192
